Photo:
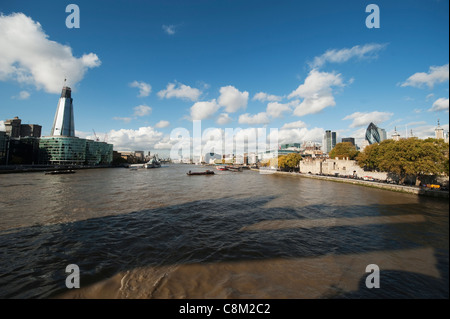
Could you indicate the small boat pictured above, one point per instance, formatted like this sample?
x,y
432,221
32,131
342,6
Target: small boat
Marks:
x,y
234,168
207,172
222,168
70,171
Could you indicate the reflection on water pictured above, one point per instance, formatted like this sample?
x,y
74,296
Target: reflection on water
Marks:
x,y
161,234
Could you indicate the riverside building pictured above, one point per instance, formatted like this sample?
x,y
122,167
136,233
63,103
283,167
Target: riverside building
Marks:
x,y
63,147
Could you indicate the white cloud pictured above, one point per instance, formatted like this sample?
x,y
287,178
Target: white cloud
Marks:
x,y
343,55
28,56
180,92
23,95
364,119
223,119
298,124
430,96
144,88
260,118
424,131
440,104
169,29
232,99
299,135
142,110
143,138
436,74
316,92
276,109
416,123
204,110
162,124
124,119
264,97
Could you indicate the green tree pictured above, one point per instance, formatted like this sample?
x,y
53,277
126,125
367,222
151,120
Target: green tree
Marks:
x,y
343,150
290,161
412,156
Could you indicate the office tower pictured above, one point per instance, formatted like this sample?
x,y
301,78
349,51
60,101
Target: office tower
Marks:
x,y
329,141
373,134
63,125
349,139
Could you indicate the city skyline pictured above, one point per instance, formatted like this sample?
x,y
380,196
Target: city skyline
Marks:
x,y
139,72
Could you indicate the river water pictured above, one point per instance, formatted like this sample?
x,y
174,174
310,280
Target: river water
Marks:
x,y
159,233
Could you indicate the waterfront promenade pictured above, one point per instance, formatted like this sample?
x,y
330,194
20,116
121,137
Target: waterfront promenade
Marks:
x,y
391,187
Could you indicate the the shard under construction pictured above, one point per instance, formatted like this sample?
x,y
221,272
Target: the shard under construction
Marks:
x,y
62,147
64,125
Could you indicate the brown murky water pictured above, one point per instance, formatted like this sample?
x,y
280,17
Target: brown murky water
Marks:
x,y
161,234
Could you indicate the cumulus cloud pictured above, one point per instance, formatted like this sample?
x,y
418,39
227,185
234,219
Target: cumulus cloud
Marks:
x,y
180,92
436,74
162,124
144,88
223,119
317,92
298,135
298,124
364,119
276,109
143,138
169,29
204,110
343,55
260,118
264,97
29,57
440,104
23,95
142,110
232,99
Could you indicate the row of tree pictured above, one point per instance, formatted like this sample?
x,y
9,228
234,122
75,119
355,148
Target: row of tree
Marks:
x,y
407,157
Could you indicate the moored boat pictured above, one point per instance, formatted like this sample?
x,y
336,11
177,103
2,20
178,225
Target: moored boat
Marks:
x,y
234,168
207,172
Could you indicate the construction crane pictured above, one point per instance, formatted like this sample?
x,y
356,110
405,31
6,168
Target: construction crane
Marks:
x,y
96,138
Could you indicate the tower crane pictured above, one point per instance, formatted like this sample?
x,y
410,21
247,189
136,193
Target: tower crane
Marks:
x,y
96,138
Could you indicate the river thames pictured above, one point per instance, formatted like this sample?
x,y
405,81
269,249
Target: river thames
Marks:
x,y
159,233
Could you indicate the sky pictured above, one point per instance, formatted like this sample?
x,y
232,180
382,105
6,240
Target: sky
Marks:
x,y
141,71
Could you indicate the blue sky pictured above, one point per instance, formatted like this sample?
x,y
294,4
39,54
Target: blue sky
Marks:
x,y
140,69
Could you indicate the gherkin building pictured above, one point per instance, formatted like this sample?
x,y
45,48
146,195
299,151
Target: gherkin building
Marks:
x,y
373,134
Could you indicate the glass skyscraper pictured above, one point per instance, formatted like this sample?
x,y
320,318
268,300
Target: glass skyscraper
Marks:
x,y
63,147
329,141
374,134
